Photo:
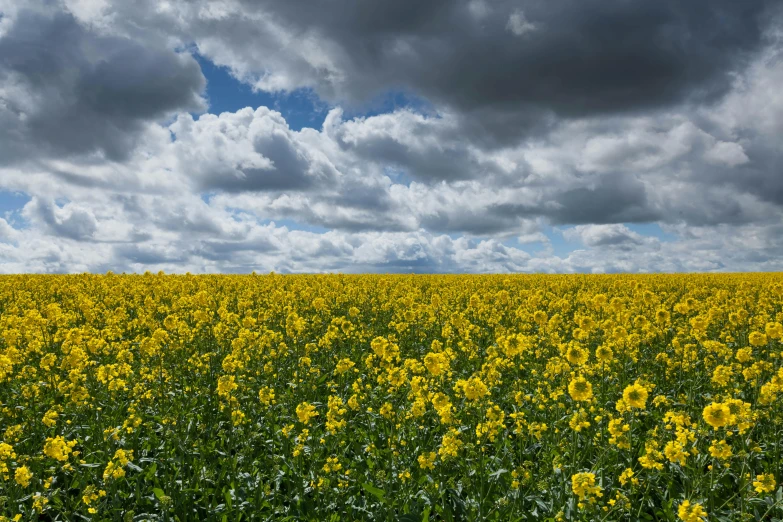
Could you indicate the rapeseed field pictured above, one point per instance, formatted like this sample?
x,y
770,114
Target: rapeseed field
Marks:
x,y
399,398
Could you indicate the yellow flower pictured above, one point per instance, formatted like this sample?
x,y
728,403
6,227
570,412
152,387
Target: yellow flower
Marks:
x,y
343,365
305,412
722,375
744,355
445,359
720,450
334,413
675,452
717,415
39,502
579,421
332,465
618,431
604,354
436,363
474,388
450,445
50,418
494,423
537,429
626,476
691,512
652,455
584,487
635,396
123,456
764,483
58,448
576,354
226,385
387,410
427,460
660,400
114,469
22,476
6,454
774,330
237,417
580,389
266,395
89,495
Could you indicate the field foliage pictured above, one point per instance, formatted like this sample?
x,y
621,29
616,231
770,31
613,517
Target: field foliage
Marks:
x,y
405,398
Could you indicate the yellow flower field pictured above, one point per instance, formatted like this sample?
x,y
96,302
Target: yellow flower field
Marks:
x,y
405,398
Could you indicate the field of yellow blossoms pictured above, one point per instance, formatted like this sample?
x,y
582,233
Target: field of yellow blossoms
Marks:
x,y
399,398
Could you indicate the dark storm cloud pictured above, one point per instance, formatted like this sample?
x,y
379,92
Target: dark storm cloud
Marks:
x,y
68,90
762,177
446,160
224,250
484,223
576,58
614,199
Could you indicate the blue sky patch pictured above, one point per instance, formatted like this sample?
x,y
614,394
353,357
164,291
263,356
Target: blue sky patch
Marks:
x,y
227,94
11,203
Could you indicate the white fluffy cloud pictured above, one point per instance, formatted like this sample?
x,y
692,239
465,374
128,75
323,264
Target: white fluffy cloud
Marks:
x,y
519,24
211,194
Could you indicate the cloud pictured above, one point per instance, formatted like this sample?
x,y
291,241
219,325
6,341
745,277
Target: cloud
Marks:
x,y
726,153
67,89
587,58
7,232
614,198
518,24
604,235
70,221
479,8
588,116
608,248
247,151
427,148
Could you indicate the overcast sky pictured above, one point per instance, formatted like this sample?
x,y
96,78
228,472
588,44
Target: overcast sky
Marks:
x,y
391,136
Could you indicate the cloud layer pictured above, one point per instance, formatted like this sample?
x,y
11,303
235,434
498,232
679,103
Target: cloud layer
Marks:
x,y
582,136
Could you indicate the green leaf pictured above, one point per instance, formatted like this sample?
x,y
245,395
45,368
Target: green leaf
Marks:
x,y
369,488
158,493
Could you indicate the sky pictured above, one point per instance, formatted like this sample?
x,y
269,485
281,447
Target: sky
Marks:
x,y
344,136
